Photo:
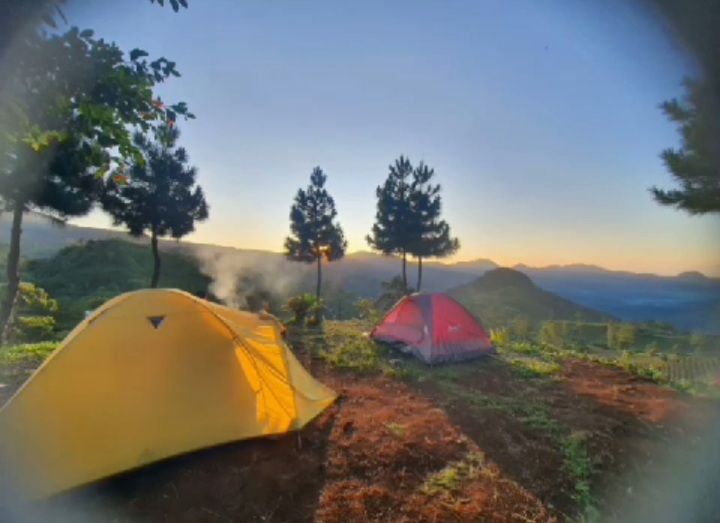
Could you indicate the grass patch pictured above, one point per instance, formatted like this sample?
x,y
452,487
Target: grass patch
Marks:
x,y
32,353
579,465
534,368
451,478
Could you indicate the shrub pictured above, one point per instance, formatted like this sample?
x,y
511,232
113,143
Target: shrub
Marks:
x,y
306,308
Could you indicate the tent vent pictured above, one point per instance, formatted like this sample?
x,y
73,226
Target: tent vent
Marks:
x,y
156,321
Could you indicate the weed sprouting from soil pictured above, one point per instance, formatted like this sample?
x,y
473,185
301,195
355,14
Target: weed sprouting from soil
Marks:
x,y
452,476
579,465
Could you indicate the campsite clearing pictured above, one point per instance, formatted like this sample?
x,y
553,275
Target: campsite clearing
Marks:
x,y
497,439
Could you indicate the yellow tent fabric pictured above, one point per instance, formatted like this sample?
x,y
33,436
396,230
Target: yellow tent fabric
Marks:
x,y
149,375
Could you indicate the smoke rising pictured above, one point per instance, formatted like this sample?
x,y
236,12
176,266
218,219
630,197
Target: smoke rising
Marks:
x,y
237,274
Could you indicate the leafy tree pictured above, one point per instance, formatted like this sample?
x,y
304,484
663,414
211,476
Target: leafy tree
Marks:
x,y
73,100
161,196
314,232
307,310
431,235
394,231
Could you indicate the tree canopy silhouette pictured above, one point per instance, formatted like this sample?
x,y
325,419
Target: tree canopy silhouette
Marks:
x,y
407,220
695,165
315,235
160,197
431,233
393,232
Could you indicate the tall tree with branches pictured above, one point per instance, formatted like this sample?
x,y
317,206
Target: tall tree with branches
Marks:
x,y
76,100
160,197
315,234
393,232
430,233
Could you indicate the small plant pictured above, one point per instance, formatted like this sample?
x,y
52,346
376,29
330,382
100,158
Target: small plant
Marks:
x,y
451,477
579,465
532,368
307,310
500,336
396,428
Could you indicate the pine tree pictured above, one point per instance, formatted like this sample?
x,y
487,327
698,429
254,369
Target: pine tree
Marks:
x,y
314,232
394,230
431,234
696,164
160,197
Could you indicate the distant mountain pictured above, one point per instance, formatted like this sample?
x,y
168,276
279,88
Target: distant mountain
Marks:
x,y
690,300
502,294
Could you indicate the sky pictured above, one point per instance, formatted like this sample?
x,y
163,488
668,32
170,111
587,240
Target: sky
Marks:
x,y
540,119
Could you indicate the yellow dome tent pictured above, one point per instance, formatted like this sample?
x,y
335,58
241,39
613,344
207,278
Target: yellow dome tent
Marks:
x,y
149,375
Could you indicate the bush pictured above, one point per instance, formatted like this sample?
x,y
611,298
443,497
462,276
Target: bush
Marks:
x,y
307,310
33,329
500,336
35,317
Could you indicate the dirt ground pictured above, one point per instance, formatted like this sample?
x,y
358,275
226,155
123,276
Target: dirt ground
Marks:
x,y
476,445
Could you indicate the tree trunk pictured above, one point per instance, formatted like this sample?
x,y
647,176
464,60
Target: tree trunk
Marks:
x,y
419,274
156,260
404,272
319,277
9,301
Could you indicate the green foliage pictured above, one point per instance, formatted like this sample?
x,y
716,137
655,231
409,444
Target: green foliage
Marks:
x,y
430,234
453,475
407,219
161,196
315,234
354,353
392,233
35,319
500,336
531,367
32,353
306,309
32,329
72,102
695,166
82,277
579,465
502,295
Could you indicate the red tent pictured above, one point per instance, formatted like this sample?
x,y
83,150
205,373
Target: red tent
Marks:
x,y
435,328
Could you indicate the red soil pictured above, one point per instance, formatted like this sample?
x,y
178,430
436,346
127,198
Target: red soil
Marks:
x,y
368,457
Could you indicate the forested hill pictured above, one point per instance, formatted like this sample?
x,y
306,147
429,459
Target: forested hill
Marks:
x,y
502,294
